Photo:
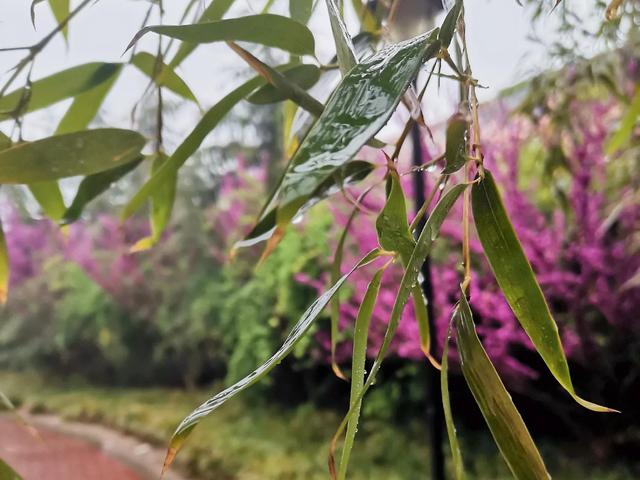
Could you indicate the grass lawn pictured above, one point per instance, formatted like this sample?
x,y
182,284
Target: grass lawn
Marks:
x,y
246,442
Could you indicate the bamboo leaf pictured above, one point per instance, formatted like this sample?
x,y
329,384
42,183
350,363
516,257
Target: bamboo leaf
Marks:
x,y
265,29
344,45
360,337
304,76
298,331
59,86
8,473
518,283
301,10
93,185
215,11
502,417
80,153
627,124
456,144
450,23
456,454
49,197
61,10
162,202
162,75
4,268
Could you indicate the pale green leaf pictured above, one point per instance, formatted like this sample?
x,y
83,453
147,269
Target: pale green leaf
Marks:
x,y
344,45
162,74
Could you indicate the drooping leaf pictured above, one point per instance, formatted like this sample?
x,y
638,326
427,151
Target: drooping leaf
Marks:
x,y
214,11
49,197
60,156
360,337
162,75
92,186
298,331
300,10
518,283
59,86
456,454
627,124
456,144
358,108
8,473
506,425
61,10
86,105
449,23
344,45
305,76
162,202
264,29
4,267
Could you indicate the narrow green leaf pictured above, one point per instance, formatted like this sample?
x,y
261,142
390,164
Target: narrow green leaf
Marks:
x,y
80,153
298,331
264,29
5,141
300,10
61,10
344,45
162,75
59,86
86,105
304,76
358,108
450,23
4,267
502,417
190,144
518,283
456,144
162,202
215,11
93,185
627,124
49,197
8,473
456,454
360,337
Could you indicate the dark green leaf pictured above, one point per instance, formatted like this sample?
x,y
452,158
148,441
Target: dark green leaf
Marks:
x,y
305,76
93,185
344,45
456,148
456,454
298,331
502,417
300,10
392,225
162,75
80,153
265,29
59,86
449,24
518,283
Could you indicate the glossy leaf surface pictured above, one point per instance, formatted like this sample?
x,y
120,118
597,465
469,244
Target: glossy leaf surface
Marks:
x,y
448,28
304,76
162,74
502,417
518,283
60,156
298,331
264,29
59,86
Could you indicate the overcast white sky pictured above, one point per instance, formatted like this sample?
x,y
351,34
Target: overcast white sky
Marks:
x,y
497,38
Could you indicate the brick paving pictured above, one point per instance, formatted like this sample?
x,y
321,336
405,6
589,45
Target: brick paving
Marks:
x,y
57,457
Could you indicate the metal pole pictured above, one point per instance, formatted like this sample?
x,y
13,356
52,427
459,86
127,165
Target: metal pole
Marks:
x,y
435,415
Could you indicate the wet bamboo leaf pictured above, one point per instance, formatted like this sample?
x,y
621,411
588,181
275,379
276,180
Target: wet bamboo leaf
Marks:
x,y
304,76
4,267
162,202
214,12
358,108
456,454
93,185
59,86
86,105
265,29
162,75
8,473
450,23
629,121
298,331
360,337
456,144
506,425
61,10
344,45
49,197
68,155
518,283
300,10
